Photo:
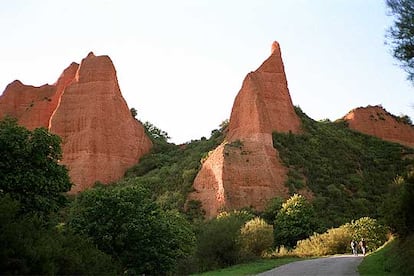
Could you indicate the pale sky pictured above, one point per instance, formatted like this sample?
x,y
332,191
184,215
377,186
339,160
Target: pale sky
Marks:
x,y
181,63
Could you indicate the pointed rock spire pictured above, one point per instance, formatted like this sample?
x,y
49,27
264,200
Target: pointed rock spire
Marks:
x,y
263,104
246,170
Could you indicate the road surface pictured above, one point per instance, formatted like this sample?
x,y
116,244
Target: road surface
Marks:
x,y
334,265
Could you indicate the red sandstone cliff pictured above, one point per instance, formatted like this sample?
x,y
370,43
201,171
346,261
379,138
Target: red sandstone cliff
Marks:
x,y
85,107
376,121
246,170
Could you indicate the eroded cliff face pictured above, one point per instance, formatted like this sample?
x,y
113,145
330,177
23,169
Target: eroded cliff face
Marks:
x,y
246,171
85,107
376,121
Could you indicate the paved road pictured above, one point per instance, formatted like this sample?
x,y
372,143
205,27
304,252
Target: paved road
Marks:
x,y
334,265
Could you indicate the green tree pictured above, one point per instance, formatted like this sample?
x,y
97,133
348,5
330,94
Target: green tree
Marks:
x,y
398,206
401,34
126,223
370,230
271,209
155,133
30,245
29,167
217,240
295,221
255,237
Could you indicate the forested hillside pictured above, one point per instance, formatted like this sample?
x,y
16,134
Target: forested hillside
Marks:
x,y
348,173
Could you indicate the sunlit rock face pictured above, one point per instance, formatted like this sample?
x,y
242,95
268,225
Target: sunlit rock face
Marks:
x,y
376,121
86,109
246,171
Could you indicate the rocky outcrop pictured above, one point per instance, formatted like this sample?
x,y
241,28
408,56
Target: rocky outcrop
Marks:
x,y
31,105
100,138
245,171
376,121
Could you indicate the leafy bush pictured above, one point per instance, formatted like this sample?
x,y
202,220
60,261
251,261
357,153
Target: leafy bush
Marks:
x,y
127,224
256,236
272,207
31,245
334,241
217,240
337,240
295,221
398,206
370,230
29,168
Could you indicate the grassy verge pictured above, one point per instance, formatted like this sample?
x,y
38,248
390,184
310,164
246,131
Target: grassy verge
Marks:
x,y
394,258
252,267
374,264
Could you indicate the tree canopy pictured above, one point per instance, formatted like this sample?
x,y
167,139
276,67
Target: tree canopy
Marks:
x,y
29,167
127,224
401,34
295,221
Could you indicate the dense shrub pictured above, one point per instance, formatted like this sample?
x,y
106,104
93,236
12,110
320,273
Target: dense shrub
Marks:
x,y
399,260
370,230
398,207
31,245
334,241
272,207
295,221
255,237
29,168
337,240
127,224
217,240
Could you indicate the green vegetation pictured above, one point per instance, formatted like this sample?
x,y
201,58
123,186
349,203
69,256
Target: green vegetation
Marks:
x,y
169,170
347,172
394,258
217,240
251,268
294,221
401,34
29,168
31,186
337,240
256,236
125,223
398,206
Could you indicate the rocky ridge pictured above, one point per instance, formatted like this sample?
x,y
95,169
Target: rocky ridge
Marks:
x,y
376,121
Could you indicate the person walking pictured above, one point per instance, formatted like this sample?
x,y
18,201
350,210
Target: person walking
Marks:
x,y
354,247
363,246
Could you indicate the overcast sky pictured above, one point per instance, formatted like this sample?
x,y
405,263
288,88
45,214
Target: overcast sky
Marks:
x,y
181,63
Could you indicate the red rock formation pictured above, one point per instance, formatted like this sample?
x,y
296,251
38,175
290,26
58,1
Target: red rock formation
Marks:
x,y
246,170
31,105
85,107
376,121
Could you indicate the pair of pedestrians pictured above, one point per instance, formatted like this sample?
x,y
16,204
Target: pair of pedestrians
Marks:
x,y
362,245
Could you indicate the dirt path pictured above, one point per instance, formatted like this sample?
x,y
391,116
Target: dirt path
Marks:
x,y
334,265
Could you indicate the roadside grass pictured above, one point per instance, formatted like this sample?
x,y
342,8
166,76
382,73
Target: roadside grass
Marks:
x,y
374,263
252,267
394,258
